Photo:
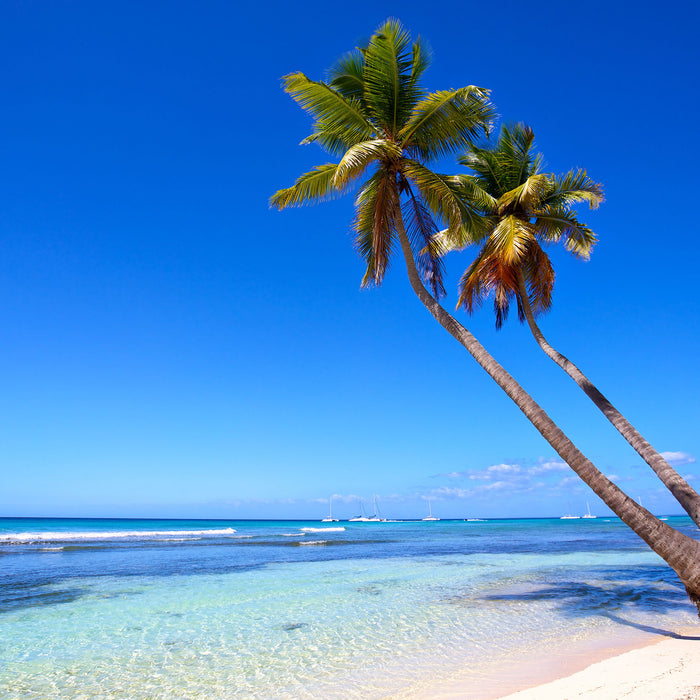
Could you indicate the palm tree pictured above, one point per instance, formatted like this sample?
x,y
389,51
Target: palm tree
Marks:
x,y
523,209
374,114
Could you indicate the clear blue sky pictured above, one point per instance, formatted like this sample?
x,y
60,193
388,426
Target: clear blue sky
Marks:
x,y
170,346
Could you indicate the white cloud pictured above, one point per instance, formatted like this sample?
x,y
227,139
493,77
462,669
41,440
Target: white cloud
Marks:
x,y
504,469
496,470
675,459
450,492
549,467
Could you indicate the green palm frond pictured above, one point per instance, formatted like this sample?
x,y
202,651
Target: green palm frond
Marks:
x,y
389,91
447,120
438,192
346,76
522,209
556,223
484,163
421,60
510,239
331,138
472,191
329,107
572,188
315,186
374,224
360,156
525,197
514,149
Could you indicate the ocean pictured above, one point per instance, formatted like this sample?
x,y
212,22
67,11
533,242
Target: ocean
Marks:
x,y
93,608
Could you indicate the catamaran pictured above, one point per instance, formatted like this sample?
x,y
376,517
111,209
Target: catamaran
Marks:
x,y
430,513
330,518
364,518
588,515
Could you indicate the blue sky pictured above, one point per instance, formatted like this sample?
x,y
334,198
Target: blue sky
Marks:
x,y
173,347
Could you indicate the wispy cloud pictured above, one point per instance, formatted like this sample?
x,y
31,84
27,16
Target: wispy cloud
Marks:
x,y
676,459
549,467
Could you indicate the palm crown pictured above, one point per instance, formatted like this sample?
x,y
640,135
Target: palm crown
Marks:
x,y
520,209
374,115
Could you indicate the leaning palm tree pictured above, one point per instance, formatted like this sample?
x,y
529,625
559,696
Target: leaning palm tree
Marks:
x,y
374,115
522,210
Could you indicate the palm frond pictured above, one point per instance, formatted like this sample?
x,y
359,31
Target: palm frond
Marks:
x,y
538,273
360,156
421,230
389,91
510,239
374,225
346,75
514,147
485,164
332,137
329,107
447,121
315,186
488,275
472,191
525,197
572,188
557,223
438,192
421,60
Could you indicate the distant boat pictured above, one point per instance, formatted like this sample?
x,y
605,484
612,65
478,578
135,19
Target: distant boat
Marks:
x,y
330,518
430,513
588,515
570,517
364,518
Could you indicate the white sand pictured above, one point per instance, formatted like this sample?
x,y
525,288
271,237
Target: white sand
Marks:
x,y
662,670
669,670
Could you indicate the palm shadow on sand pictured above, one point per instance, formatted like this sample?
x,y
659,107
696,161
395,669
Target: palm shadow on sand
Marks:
x,y
612,593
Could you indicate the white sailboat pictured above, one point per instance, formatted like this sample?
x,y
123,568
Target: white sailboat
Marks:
x,y
430,513
588,515
364,518
330,518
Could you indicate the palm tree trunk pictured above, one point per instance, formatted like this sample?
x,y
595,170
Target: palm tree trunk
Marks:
x,y
680,552
674,482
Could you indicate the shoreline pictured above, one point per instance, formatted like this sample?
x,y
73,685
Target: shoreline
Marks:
x,y
668,670
654,666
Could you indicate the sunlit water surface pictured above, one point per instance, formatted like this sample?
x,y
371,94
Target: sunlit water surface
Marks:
x,y
270,609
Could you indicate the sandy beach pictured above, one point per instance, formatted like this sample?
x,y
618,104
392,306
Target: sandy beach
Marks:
x,y
666,670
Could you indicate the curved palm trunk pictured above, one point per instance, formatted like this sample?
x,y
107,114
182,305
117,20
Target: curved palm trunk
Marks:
x,y
682,553
674,482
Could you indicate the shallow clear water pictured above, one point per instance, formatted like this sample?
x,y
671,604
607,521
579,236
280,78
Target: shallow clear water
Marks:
x,y
270,609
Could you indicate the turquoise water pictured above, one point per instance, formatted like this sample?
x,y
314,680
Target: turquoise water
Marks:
x,y
270,609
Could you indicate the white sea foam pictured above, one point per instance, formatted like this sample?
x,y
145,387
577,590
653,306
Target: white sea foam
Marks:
x,y
293,534
322,529
29,537
317,542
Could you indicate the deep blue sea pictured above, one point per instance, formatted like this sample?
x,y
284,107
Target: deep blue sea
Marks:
x,y
93,608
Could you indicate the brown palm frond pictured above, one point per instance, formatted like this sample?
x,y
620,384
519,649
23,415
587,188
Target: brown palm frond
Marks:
x,y
422,231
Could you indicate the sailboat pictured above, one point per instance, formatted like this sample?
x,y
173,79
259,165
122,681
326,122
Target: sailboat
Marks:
x,y
374,518
330,518
430,513
588,515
